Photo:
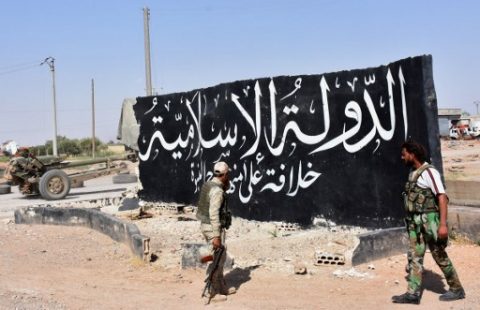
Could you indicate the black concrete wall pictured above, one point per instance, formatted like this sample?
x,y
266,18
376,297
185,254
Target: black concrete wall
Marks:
x,y
299,146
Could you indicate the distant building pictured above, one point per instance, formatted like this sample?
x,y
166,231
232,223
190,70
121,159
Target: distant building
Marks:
x,y
447,117
8,148
474,118
450,114
475,125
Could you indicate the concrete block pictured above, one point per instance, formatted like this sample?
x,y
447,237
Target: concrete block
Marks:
x,y
132,229
465,220
129,204
463,193
326,258
29,215
66,216
192,253
380,244
104,223
109,225
140,246
393,241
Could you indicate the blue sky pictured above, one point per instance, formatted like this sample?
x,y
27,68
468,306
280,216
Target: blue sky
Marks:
x,y
201,43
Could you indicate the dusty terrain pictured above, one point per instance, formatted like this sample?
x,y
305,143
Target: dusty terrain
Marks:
x,y
53,267
56,267
461,159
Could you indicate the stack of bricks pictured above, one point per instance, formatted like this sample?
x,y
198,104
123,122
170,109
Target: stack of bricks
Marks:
x,y
324,258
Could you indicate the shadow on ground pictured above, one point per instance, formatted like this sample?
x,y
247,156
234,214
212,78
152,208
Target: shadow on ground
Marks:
x,y
433,282
98,192
238,276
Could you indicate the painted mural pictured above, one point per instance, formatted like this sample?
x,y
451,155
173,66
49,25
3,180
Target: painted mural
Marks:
x,y
299,147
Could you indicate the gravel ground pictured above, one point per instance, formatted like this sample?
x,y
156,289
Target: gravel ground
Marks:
x,y
57,267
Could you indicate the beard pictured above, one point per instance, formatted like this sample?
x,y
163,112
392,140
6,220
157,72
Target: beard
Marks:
x,y
226,185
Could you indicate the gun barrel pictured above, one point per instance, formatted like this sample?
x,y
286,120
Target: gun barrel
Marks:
x,y
91,161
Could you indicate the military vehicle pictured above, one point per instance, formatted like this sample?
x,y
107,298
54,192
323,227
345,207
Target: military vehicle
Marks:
x,y
44,176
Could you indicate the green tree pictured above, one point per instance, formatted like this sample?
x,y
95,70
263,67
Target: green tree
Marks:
x,y
86,145
49,147
39,150
69,147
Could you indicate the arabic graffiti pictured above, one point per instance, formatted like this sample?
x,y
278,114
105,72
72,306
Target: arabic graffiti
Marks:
x,y
283,137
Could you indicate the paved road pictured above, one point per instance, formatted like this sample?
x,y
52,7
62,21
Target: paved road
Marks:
x,y
102,187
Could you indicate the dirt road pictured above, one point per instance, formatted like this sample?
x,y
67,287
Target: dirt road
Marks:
x,y
57,267
461,159
54,267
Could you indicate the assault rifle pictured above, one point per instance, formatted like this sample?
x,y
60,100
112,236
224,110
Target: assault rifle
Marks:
x,y
217,255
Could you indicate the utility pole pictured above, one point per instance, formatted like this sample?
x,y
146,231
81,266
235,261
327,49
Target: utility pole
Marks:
x,y
476,102
50,61
93,118
146,30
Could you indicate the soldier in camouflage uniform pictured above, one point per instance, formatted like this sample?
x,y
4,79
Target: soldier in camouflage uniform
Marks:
x,y
211,212
16,171
426,208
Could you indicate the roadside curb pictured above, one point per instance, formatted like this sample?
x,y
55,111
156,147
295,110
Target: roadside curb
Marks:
x,y
379,244
109,225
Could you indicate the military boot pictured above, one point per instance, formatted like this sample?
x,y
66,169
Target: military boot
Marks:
x,y
218,298
229,291
406,298
452,295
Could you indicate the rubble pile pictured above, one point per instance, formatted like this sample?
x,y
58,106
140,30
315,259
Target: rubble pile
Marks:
x,y
275,246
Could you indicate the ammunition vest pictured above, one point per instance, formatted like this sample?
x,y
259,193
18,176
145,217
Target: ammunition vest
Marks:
x,y
203,206
417,199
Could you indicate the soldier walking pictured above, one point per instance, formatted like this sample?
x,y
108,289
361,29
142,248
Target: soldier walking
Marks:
x,y
214,217
426,206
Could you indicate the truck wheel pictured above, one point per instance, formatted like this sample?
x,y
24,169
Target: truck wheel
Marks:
x,y
124,178
5,189
54,185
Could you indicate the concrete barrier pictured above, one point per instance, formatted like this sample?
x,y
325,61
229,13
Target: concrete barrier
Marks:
x,y
371,246
379,244
463,193
192,253
386,242
465,220
107,224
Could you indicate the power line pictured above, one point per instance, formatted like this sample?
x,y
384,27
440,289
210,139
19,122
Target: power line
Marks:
x,y
85,124
22,130
59,110
270,5
20,65
18,69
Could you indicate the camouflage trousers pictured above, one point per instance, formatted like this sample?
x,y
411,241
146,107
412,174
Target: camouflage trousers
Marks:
x,y
422,230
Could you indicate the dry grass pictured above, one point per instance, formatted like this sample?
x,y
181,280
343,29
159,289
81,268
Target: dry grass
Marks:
x,y
137,262
461,239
